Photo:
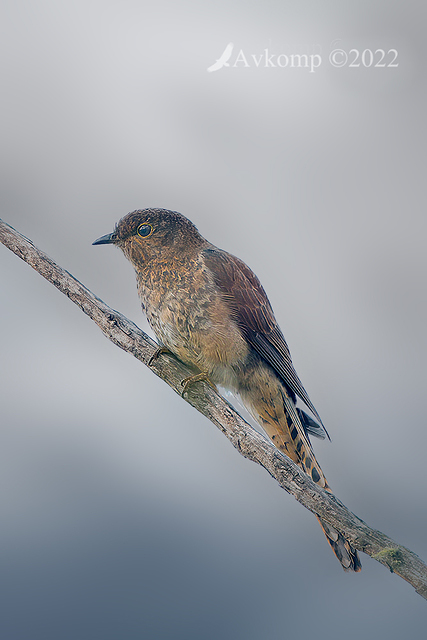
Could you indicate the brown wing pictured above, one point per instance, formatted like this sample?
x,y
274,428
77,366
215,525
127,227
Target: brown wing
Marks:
x,y
254,315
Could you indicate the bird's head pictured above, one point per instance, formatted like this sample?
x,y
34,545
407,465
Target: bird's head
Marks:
x,y
146,234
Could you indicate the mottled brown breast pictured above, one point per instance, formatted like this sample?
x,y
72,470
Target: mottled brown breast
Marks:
x,y
190,316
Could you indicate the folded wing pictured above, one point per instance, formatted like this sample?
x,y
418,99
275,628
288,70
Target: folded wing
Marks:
x,y
252,311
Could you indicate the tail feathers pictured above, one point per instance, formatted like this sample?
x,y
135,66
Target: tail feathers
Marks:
x,y
289,428
311,427
343,550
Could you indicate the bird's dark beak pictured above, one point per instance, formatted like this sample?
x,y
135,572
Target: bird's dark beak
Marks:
x,y
107,239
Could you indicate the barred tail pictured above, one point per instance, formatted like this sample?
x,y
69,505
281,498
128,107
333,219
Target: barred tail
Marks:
x,y
343,550
289,429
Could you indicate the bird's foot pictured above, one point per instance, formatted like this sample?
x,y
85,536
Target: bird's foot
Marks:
x,y
198,377
157,353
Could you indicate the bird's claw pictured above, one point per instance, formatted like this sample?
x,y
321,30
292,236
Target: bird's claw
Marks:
x,y
157,353
198,377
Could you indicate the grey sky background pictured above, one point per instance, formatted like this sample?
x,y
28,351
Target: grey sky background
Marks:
x,y
125,514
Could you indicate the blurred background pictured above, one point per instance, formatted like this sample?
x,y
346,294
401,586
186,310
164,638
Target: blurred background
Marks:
x,y
125,513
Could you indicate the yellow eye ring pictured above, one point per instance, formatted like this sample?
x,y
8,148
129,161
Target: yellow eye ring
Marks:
x,y
145,230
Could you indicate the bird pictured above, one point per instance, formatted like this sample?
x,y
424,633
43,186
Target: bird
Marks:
x,y
223,59
210,311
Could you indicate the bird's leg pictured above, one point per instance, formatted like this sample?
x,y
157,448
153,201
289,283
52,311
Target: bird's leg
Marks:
x,y
157,353
198,377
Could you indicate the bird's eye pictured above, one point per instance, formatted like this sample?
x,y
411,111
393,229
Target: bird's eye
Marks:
x,y
145,230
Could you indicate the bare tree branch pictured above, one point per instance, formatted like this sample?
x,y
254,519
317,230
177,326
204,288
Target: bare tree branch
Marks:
x,y
126,335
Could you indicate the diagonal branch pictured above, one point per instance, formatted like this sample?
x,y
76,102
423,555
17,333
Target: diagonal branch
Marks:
x,y
252,445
